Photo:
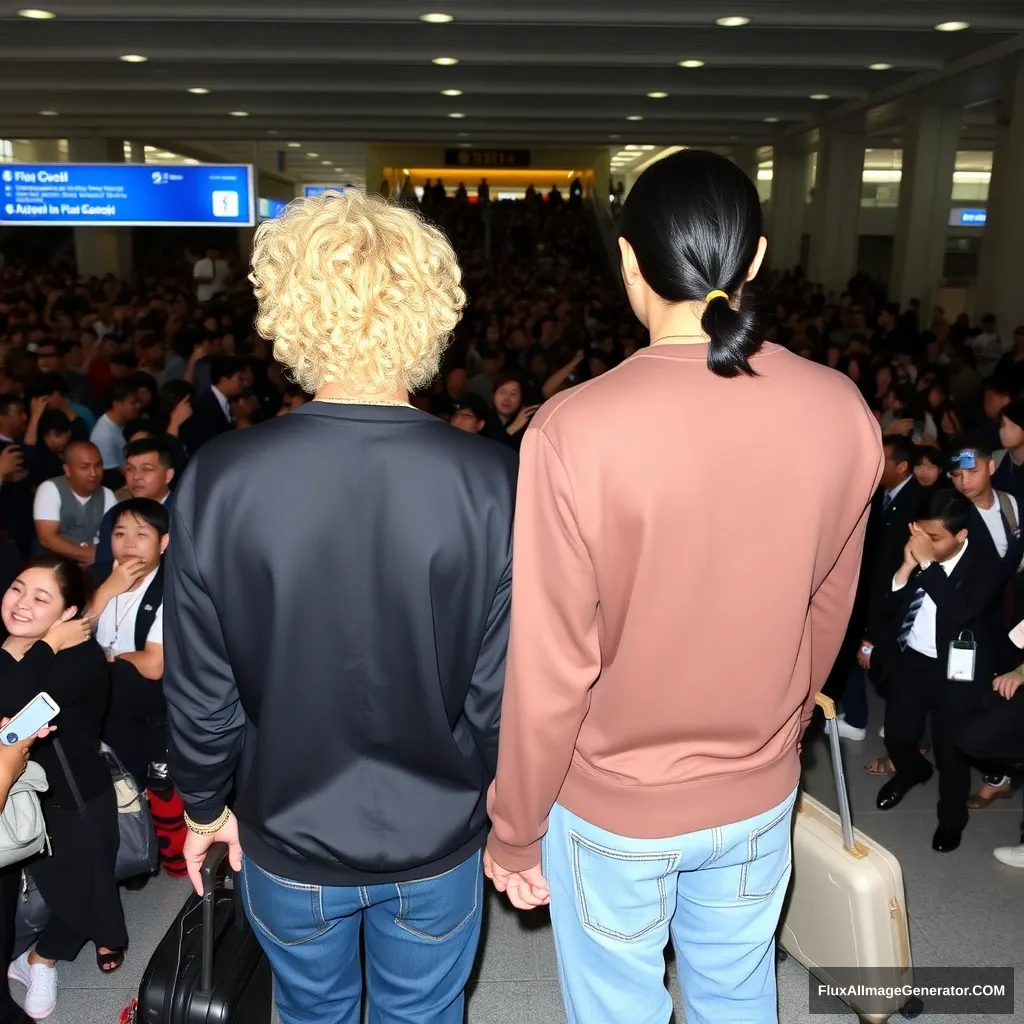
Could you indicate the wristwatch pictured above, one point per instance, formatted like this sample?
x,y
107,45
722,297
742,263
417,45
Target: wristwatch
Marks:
x,y
925,565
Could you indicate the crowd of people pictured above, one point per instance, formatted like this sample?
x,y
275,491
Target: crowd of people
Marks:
x,y
109,389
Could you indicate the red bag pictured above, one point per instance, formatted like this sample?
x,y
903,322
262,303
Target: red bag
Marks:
x,y
169,822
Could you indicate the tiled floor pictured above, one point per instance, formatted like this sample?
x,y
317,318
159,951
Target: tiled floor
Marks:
x,y
964,908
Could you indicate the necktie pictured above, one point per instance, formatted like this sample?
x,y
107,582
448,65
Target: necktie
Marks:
x,y
886,500
908,622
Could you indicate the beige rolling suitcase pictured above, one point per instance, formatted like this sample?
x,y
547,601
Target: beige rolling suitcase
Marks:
x,y
845,917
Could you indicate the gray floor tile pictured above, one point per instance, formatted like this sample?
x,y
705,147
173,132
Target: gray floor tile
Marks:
x,y
506,1002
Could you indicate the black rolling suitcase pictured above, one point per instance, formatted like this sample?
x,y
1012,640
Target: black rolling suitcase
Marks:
x,y
209,967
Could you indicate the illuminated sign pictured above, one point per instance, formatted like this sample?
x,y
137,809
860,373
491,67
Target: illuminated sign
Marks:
x,y
319,190
487,157
967,218
271,208
173,195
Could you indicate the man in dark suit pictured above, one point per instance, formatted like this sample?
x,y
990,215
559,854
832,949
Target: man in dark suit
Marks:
x,y
894,508
211,411
945,592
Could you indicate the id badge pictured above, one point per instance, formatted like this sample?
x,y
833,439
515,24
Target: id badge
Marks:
x,y
960,666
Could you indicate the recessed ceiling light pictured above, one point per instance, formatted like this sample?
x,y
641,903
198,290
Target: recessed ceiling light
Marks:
x,y
691,63
647,149
339,170
820,96
47,113
771,120
326,163
880,66
34,14
133,58
294,145
952,26
312,156
451,92
634,117
239,113
198,90
445,62
437,18
657,95
457,116
273,131
613,136
463,135
733,21
631,146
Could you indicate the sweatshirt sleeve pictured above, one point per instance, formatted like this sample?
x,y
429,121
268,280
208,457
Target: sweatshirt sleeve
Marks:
x,y
554,656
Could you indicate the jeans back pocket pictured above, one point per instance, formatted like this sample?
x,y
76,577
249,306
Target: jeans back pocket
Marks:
x,y
621,895
289,913
434,909
769,855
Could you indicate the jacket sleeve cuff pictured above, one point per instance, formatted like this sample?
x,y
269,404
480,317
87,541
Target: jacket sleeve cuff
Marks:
x,y
513,858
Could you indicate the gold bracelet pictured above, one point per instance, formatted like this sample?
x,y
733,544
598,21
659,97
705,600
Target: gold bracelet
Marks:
x,y
211,828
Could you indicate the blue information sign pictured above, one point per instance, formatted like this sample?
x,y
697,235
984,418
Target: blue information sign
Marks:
x,y
170,195
968,218
319,190
271,208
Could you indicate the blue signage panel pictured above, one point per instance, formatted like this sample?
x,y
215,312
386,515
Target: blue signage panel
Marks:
x,y
967,218
171,195
319,190
271,208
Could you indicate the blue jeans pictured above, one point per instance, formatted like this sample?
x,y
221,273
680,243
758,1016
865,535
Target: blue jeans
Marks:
x,y
616,901
420,938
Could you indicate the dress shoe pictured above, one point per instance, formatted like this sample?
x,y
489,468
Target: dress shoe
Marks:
x,y
1011,856
895,790
946,840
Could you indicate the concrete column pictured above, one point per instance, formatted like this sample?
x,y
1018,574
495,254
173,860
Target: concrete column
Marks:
x,y
101,250
745,157
929,159
790,169
38,151
138,153
1000,289
836,215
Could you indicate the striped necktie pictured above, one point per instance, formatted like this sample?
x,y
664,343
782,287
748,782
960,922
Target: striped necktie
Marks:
x,y
908,622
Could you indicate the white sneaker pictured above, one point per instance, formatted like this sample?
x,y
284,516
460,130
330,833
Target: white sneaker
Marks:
x,y
847,731
41,984
881,733
1012,856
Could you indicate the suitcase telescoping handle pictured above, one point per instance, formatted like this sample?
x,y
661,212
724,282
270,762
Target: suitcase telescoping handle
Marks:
x,y
211,868
828,706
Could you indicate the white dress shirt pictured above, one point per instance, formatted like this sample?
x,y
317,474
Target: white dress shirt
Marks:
x,y
922,633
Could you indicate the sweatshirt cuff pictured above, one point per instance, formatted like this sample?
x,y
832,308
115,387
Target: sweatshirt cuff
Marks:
x,y
513,858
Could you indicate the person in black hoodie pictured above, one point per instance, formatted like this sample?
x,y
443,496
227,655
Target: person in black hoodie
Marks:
x,y
510,417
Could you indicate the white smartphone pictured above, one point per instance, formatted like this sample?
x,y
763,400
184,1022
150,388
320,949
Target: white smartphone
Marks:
x,y
39,711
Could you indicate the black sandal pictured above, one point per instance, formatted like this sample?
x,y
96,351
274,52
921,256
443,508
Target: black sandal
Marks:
x,y
109,962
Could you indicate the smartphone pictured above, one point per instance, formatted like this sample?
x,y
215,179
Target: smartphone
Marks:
x,y
918,432
39,711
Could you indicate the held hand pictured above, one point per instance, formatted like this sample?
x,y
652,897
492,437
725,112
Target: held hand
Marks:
x,y
126,575
11,463
39,406
908,554
1007,685
900,427
921,545
526,890
196,847
14,758
63,635
864,659
181,412
86,555
524,417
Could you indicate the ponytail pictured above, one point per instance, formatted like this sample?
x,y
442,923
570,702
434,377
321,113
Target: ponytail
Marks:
x,y
734,334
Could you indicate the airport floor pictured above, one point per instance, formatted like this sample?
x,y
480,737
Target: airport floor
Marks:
x,y
965,909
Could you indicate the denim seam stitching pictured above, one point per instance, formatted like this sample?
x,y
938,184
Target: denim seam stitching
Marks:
x,y
448,934
716,848
752,856
670,858
323,928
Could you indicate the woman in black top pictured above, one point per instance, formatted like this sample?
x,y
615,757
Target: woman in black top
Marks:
x,y
49,648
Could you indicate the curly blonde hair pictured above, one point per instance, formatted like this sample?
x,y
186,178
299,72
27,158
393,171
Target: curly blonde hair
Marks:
x,y
357,291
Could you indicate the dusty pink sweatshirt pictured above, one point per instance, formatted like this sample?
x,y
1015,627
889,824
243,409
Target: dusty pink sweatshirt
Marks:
x,y
686,557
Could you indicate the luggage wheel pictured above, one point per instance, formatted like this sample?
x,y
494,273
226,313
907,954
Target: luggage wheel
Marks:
x,y
914,1008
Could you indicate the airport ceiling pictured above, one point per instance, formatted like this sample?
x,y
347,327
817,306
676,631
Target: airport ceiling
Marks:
x,y
540,72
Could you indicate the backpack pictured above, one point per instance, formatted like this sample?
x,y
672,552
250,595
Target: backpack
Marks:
x,y
22,826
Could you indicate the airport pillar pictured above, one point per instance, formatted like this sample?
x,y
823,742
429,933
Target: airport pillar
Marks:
x,y
138,153
101,250
835,217
999,280
929,159
39,151
789,201
745,157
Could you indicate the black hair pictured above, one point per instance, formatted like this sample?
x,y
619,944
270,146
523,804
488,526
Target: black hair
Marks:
x,y
1014,412
225,367
948,507
1001,386
46,384
53,421
694,221
903,449
977,444
474,404
117,392
125,359
146,509
142,425
929,453
72,581
6,401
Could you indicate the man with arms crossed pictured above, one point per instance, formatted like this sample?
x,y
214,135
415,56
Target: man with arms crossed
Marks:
x,y
337,602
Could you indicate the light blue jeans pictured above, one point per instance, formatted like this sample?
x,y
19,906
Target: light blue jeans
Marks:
x,y
718,893
420,940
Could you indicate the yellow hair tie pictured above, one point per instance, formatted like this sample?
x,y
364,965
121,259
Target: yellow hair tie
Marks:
x,y
716,294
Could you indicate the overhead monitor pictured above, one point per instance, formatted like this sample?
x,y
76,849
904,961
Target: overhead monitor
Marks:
x,y
319,190
128,195
271,208
960,218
